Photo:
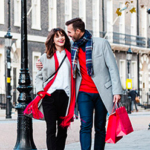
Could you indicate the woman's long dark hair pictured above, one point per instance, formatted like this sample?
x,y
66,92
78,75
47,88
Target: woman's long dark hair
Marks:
x,y
50,45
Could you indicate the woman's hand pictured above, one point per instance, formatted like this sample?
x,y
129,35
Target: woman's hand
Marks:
x,y
39,65
43,93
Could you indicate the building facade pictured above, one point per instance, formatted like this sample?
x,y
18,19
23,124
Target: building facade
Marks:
x,y
131,30
43,15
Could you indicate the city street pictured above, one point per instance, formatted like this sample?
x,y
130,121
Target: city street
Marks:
x,y
106,44
139,139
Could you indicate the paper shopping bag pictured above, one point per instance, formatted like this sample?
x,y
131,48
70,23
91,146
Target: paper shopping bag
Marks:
x,y
123,125
111,130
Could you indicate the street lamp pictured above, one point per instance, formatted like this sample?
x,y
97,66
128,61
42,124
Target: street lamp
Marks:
x,y
8,39
129,58
24,124
8,42
148,11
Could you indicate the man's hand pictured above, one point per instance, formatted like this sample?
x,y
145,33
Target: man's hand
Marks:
x,y
117,98
39,65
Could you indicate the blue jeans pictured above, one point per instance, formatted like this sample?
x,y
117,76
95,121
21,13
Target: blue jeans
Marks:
x,y
87,102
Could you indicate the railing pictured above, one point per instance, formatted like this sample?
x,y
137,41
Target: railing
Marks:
x,y
130,40
2,99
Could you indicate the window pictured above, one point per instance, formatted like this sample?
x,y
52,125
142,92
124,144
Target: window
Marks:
x,y
82,10
36,14
52,14
109,19
17,13
2,73
122,20
1,11
144,22
0,63
35,57
134,74
133,23
95,9
68,11
122,24
122,69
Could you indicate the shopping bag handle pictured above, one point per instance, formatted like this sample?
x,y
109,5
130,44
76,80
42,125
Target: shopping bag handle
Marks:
x,y
117,106
120,104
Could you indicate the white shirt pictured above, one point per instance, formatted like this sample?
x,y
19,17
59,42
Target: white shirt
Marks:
x,y
61,81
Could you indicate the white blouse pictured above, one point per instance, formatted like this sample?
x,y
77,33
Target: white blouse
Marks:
x,y
61,81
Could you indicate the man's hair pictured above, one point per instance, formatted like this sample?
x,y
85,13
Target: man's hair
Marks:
x,y
77,23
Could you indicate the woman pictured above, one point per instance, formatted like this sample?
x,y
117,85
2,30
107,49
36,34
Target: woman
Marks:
x,y
57,94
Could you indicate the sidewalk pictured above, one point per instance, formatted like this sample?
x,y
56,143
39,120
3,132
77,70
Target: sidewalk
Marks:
x,y
138,140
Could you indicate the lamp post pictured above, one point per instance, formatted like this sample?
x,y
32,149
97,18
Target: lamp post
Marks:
x,y
128,58
24,124
8,42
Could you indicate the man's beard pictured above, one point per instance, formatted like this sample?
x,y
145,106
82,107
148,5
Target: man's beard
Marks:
x,y
76,39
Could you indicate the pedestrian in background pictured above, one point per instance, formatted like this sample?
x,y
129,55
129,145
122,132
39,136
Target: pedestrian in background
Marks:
x,y
133,93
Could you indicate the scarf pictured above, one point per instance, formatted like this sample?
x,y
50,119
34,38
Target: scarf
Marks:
x,y
87,40
32,107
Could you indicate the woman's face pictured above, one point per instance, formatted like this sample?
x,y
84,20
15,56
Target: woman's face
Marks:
x,y
59,39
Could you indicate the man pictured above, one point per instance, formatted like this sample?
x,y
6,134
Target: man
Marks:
x,y
133,95
97,81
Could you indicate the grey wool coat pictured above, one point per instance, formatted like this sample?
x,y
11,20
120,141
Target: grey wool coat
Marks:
x,y
43,74
106,74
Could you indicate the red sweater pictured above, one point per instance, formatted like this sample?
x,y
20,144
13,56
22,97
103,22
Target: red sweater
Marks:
x,y
87,84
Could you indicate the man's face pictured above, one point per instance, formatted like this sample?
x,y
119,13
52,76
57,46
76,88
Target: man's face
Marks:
x,y
75,35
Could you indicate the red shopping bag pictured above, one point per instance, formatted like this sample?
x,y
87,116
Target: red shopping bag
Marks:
x,y
123,126
111,130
